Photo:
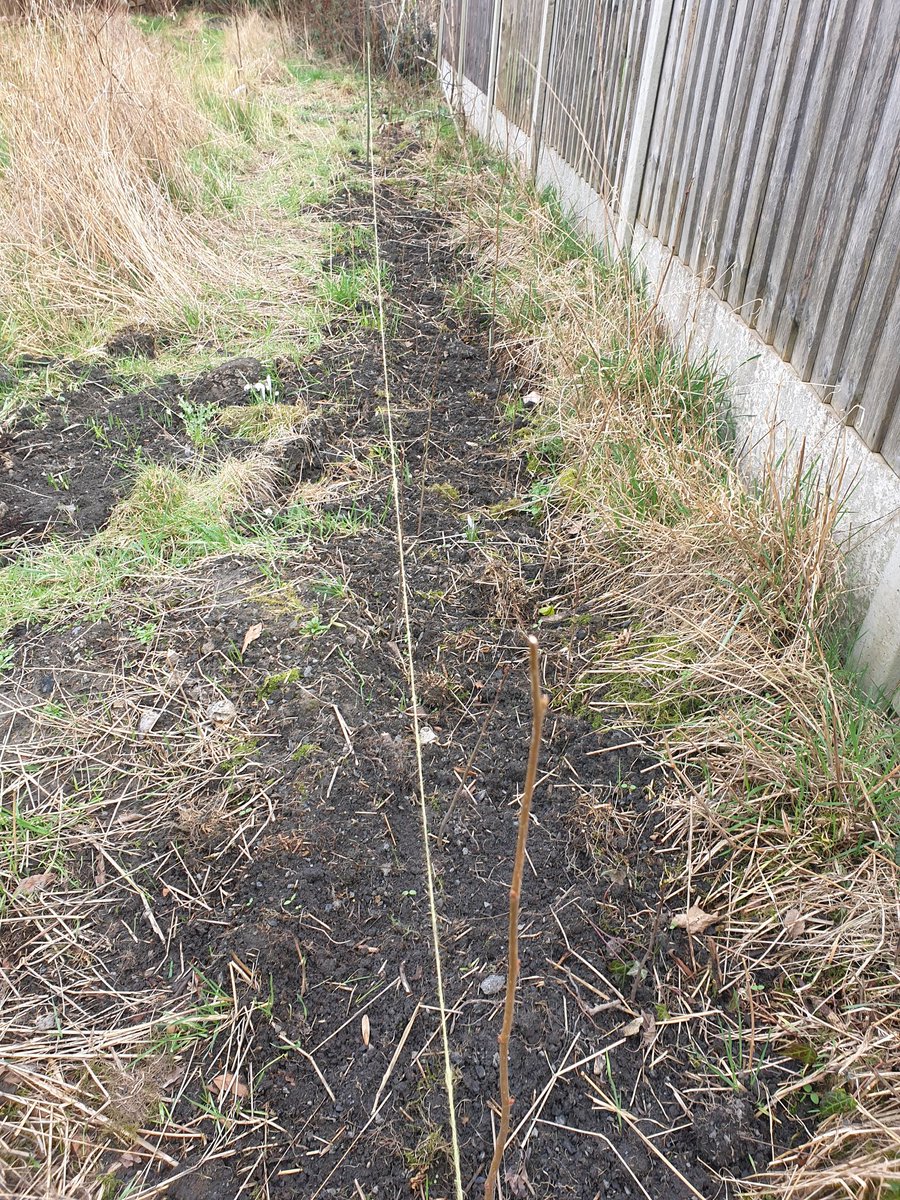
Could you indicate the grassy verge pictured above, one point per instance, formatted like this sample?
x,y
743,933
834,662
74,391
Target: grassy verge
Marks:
x,y
713,622
194,219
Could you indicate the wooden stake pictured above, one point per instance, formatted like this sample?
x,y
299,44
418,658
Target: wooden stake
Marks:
x,y
538,708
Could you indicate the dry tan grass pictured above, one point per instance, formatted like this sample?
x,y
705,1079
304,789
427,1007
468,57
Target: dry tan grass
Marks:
x,y
728,607
97,123
254,49
93,1070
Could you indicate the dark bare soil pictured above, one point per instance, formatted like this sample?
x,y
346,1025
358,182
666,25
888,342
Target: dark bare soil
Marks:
x,y
327,911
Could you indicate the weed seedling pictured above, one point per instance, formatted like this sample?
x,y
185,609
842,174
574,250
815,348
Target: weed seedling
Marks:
x,y
199,422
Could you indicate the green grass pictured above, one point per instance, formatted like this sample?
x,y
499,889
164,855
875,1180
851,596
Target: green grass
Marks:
x,y
172,519
351,292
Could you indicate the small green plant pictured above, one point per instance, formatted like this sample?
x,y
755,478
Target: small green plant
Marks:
x,y
305,751
831,1102
60,481
326,585
614,1092
536,505
199,422
314,626
272,683
145,633
100,433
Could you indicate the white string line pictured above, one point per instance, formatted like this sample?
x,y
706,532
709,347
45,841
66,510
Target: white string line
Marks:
x,y
404,598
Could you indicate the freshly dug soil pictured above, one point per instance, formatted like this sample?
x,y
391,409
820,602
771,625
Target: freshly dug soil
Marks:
x,y
327,910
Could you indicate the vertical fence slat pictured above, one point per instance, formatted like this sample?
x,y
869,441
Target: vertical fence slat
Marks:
x,y
717,117
548,22
658,169
891,446
761,73
715,20
786,228
870,314
780,199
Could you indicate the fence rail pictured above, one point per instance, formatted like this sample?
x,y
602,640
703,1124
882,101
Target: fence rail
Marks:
x,y
762,145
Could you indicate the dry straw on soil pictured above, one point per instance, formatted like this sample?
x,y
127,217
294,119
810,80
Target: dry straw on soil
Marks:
x,y
730,615
91,1065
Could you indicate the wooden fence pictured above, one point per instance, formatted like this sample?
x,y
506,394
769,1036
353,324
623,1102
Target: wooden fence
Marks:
x,y
758,139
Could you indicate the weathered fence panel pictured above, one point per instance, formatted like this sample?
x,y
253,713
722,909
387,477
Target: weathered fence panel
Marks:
x,y
772,165
775,125
517,65
450,21
477,50
591,80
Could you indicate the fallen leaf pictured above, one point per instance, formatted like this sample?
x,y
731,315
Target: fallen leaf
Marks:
x,y
221,712
171,1076
149,717
36,883
11,1081
633,1027
794,923
366,1029
227,1084
174,680
519,1183
695,920
253,632
649,1030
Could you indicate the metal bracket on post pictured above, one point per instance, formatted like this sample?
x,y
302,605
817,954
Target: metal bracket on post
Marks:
x,y
642,119
548,28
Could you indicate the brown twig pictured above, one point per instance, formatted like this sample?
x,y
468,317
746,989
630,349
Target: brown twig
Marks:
x,y
539,707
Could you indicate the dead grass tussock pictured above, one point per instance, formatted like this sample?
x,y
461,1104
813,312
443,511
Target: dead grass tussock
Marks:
x,y
89,1066
144,179
97,125
265,421
254,48
732,611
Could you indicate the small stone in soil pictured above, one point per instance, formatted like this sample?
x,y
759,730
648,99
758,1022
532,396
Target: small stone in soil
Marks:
x,y
491,985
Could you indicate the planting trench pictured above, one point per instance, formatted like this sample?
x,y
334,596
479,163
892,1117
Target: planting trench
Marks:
x,y
286,881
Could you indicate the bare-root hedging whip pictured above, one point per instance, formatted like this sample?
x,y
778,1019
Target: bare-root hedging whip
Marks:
x,y
538,708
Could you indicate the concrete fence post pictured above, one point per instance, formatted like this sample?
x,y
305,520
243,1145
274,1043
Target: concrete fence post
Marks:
x,y
641,123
